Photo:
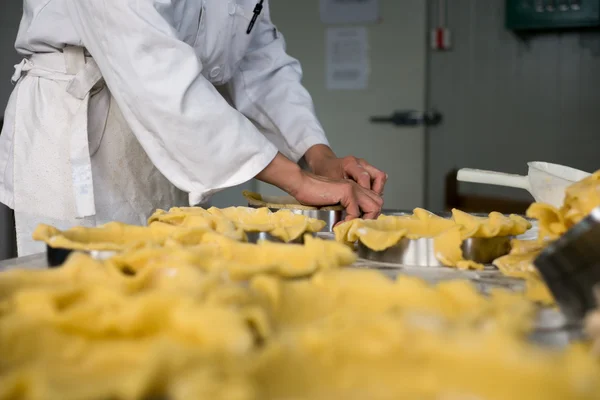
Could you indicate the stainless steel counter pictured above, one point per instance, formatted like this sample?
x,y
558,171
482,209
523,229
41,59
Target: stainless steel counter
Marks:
x,y
35,261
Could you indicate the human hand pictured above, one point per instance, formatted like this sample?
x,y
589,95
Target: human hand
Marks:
x,y
314,190
322,191
324,162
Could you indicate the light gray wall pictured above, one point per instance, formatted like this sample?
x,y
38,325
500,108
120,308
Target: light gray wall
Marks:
x,y
508,100
9,23
10,16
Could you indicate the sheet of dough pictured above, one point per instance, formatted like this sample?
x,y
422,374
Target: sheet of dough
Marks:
x,y
580,199
409,330
118,339
113,236
196,217
240,260
448,234
282,224
152,334
233,221
281,202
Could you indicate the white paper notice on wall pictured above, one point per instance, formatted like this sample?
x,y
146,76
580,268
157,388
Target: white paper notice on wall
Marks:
x,y
347,58
349,11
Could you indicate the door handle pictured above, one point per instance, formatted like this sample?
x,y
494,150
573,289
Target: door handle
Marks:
x,y
410,118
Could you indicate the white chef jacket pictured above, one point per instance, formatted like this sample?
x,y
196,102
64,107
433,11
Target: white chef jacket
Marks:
x,y
161,60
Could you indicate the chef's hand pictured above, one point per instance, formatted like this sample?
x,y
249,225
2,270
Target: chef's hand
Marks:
x,y
323,161
314,190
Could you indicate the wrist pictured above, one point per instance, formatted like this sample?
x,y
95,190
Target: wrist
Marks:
x,y
316,154
283,173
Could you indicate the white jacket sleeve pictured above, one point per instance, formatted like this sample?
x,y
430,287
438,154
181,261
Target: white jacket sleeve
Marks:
x,y
190,133
267,89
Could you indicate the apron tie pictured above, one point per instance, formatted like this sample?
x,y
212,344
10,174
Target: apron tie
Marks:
x,y
82,74
24,66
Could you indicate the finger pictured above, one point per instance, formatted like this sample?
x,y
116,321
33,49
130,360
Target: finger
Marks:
x,y
348,218
374,196
350,203
371,215
359,174
371,208
379,177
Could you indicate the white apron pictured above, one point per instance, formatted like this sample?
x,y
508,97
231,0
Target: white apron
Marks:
x,y
76,162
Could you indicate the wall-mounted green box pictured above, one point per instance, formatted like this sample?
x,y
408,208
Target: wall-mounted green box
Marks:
x,y
524,15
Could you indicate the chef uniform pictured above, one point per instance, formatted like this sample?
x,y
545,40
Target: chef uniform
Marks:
x,y
118,108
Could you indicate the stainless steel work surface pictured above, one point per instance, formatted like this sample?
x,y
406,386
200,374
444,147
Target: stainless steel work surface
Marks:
x,y
35,261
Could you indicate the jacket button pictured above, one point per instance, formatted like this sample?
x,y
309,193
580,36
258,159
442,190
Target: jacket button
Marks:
x,y
215,72
232,8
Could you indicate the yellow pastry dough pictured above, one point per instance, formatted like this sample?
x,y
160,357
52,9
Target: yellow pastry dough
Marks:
x,y
120,339
283,224
178,332
111,236
196,217
281,202
551,221
243,260
410,330
447,234
580,199
397,359
234,221
188,311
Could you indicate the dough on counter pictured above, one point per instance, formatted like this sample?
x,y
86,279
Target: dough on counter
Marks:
x,y
187,311
125,340
113,236
580,199
283,224
408,340
281,202
447,234
175,331
519,264
234,221
387,231
551,221
116,236
240,260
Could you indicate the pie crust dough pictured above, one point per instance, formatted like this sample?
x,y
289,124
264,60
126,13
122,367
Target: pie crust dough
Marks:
x,y
447,234
280,202
167,318
178,332
580,199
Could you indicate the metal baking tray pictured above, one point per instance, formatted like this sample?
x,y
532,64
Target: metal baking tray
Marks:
x,y
331,217
255,237
57,256
420,252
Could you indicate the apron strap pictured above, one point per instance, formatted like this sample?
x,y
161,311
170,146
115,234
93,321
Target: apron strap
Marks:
x,y
87,75
74,59
82,74
83,82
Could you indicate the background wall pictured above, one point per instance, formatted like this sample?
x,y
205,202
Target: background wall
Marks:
x,y
9,23
508,100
